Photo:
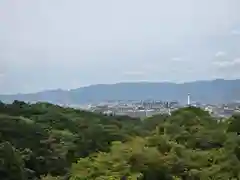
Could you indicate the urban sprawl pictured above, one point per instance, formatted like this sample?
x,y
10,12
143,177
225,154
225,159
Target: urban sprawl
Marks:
x,y
148,108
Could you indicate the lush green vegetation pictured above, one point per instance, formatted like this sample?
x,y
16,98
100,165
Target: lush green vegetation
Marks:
x,y
48,142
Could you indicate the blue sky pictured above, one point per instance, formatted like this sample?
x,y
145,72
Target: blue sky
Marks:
x,y
67,44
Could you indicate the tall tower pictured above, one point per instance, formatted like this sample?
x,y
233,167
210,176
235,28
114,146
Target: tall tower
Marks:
x,y
188,100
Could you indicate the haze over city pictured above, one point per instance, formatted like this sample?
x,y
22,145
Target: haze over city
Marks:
x,y
69,44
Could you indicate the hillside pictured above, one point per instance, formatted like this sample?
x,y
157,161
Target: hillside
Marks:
x,y
46,138
216,91
47,142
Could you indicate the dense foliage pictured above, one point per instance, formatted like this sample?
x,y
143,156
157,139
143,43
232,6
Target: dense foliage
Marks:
x,y
49,142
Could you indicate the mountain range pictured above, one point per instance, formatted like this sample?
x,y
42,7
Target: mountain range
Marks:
x,y
212,91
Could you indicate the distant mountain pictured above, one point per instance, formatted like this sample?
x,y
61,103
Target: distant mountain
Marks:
x,y
215,91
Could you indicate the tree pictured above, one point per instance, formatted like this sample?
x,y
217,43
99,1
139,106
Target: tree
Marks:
x,y
11,164
234,124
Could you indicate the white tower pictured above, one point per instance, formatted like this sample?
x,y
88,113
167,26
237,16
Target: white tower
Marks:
x,y
188,100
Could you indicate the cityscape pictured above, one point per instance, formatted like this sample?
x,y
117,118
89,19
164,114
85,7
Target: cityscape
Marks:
x,y
148,108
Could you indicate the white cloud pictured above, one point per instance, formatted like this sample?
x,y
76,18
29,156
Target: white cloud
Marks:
x,y
227,64
235,32
133,73
177,59
220,54
236,61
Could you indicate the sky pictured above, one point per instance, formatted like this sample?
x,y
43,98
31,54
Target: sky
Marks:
x,y
51,44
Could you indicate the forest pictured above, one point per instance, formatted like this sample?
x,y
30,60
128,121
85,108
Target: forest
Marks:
x,y
43,141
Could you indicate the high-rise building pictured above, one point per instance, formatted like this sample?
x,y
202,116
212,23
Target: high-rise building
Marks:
x,y
189,100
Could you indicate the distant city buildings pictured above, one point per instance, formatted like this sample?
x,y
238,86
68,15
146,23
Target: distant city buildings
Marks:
x,y
142,109
148,108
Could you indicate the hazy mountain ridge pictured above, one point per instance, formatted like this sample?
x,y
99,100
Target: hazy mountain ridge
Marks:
x,y
214,91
